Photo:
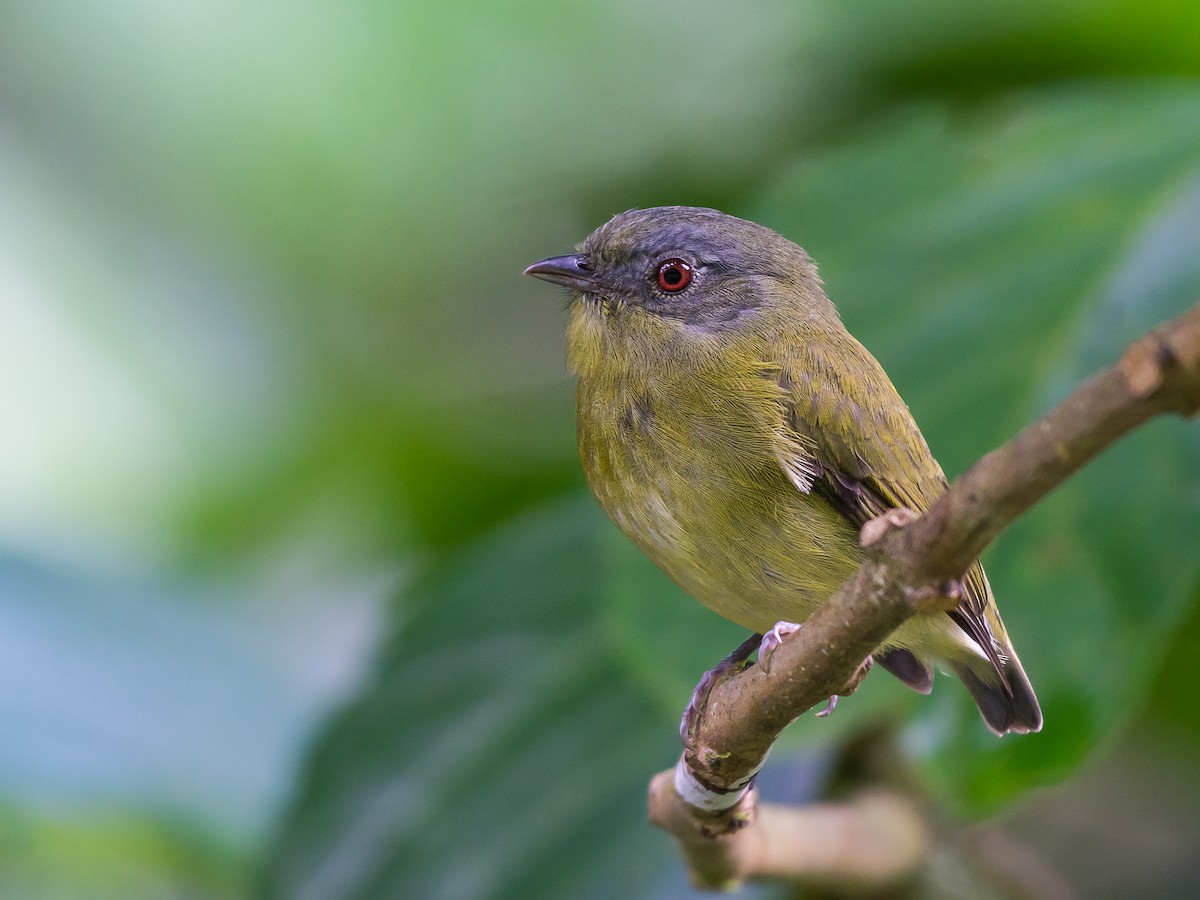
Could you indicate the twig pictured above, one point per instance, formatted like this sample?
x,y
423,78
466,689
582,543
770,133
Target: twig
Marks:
x,y
906,571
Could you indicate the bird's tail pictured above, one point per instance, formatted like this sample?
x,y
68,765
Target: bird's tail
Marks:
x,y
1005,699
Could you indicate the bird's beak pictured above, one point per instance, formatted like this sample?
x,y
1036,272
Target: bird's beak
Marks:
x,y
573,271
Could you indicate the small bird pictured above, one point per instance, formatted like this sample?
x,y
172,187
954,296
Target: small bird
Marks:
x,y
737,433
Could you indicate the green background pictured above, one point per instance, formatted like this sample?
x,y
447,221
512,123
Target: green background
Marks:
x,y
301,593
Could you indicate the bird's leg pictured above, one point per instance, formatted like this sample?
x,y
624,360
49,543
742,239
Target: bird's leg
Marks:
x,y
766,645
732,664
772,640
855,680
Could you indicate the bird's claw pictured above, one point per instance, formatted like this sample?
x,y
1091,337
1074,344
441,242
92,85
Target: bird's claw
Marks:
x,y
733,663
830,706
851,685
772,641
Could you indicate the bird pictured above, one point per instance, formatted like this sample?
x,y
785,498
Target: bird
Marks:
x,y
731,426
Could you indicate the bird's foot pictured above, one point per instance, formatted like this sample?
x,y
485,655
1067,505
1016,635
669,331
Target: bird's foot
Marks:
x,y
851,686
730,665
772,641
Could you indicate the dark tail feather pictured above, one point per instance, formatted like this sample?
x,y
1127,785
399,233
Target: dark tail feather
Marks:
x,y
1005,708
905,666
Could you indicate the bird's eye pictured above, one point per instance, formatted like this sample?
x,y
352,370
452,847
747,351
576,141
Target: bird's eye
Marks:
x,y
674,275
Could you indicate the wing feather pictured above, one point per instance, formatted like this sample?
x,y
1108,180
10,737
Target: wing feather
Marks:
x,y
855,444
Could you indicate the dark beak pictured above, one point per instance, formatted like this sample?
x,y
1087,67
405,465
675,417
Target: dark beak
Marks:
x,y
574,271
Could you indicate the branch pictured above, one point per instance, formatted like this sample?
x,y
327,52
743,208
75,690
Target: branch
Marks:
x,y
907,569
865,843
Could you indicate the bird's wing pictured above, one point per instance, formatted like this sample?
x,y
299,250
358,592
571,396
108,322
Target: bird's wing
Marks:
x,y
854,443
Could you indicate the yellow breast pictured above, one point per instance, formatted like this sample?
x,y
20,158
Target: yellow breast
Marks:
x,y
684,465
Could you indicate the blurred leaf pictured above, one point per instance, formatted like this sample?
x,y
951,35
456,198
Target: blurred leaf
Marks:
x,y
1172,709
955,49
993,261
500,752
114,858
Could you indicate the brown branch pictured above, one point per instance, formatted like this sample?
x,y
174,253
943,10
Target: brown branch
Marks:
x,y
906,572
869,841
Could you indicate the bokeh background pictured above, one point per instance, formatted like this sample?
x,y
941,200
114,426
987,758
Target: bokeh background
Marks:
x,y
301,593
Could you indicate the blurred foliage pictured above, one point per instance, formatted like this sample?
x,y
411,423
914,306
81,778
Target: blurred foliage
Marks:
x,y
501,739
267,351
114,858
1045,247
1014,175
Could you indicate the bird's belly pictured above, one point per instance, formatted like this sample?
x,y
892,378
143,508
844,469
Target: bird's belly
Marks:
x,y
763,571
740,539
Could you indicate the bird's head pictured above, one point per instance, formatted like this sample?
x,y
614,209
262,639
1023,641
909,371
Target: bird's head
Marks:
x,y
697,268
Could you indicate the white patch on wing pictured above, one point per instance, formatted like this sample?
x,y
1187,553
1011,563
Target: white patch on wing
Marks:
x,y
801,469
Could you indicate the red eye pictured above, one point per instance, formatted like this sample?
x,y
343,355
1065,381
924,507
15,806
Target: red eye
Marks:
x,y
674,275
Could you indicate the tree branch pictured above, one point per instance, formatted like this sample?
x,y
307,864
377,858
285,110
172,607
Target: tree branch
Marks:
x,y
907,570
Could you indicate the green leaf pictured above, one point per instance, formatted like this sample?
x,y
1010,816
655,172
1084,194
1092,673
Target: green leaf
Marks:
x,y
113,856
503,748
992,262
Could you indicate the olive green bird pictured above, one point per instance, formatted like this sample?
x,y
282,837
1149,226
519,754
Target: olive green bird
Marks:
x,y
734,430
